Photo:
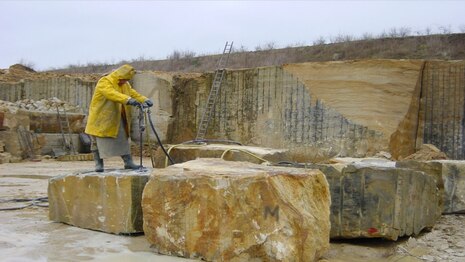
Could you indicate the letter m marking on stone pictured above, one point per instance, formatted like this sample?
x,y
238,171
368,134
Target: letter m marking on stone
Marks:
x,y
273,213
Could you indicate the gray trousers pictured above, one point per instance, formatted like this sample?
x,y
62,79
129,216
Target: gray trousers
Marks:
x,y
109,146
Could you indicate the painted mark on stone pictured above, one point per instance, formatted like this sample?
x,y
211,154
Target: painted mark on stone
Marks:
x,y
273,213
372,230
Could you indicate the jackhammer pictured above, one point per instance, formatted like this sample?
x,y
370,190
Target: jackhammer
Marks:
x,y
144,112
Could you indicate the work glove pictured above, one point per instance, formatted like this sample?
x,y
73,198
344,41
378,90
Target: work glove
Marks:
x,y
133,102
147,103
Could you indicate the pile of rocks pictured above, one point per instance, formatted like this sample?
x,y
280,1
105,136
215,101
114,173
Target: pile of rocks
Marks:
x,y
43,105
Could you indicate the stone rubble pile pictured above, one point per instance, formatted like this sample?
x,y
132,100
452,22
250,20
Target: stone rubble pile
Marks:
x,y
43,105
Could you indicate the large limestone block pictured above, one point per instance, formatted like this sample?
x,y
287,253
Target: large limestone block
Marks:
x,y
453,175
185,152
12,121
48,122
374,199
434,169
108,202
236,211
450,179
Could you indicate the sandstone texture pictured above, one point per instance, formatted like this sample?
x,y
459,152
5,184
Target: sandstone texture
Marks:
x,y
373,199
220,210
363,91
450,179
108,201
442,105
453,174
184,152
427,152
313,109
158,87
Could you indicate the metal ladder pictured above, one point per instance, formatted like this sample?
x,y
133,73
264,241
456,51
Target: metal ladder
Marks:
x,y
214,91
68,145
25,141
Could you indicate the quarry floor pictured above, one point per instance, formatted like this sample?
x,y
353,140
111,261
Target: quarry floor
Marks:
x,y
28,235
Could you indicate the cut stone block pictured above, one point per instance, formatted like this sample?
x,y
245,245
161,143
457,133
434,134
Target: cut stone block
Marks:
x,y
434,169
220,210
47,122
379,201
453,175
450,179
108,201
185,152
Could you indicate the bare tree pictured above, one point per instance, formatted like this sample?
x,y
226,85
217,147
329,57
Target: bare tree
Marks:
x,y
240,49
462,28
367,36
404,31
428,30
445,30
26,63
320,41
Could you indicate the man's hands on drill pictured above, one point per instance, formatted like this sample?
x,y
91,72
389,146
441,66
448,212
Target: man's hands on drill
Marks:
x,y
133,102
147,103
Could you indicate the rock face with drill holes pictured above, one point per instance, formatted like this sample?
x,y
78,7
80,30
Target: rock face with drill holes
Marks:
x,y
108,201
220,210
378,200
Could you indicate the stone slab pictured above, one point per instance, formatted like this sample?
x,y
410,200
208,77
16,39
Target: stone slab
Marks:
x,y
186,152
54,141
220,210
377,200
453,175
450,177
108,201
434,169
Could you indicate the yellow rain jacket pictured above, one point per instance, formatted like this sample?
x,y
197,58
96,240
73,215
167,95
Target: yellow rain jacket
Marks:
x,y
108,99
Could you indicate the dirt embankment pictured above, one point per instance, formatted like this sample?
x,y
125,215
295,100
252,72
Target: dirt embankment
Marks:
x,y
17,72
429,47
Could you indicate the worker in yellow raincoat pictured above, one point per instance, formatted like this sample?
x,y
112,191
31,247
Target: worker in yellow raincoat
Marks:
x,y
109,120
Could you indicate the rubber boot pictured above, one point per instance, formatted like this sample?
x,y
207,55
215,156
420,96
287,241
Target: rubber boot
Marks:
x,y
98,161
128,163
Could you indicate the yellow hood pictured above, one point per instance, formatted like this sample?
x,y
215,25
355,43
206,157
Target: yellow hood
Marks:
x,y
124,72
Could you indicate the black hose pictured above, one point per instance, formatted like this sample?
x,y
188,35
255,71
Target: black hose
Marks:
x,y
34,202
141,131
158,139
197,141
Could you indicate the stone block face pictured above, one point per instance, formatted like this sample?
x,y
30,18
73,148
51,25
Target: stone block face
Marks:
x,y
184,153
220,210
453,175
434,169
450,179
108,201
374,201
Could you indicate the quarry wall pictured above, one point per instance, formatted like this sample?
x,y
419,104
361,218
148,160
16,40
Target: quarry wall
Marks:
x,y
441,113
72,90
318,110
349,108
272,108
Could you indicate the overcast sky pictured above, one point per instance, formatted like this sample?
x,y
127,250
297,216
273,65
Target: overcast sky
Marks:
x,y
50,34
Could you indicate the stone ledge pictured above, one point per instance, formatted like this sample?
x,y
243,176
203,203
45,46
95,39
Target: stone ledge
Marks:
x,y
186,152
108,201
